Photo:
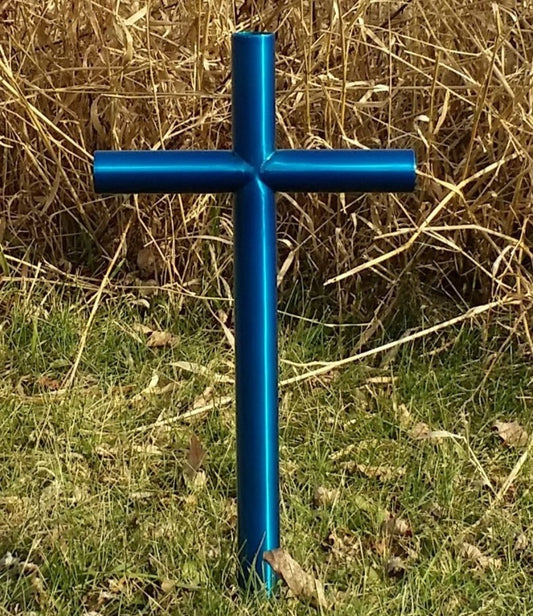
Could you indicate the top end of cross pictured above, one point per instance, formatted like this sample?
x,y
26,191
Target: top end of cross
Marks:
x,y
246,34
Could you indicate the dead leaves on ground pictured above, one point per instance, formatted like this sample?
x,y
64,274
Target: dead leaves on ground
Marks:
x,y
205,399
395,546
521,543
323,497
117,462
161,339
511,433
418,431
116,589
156,388
301,584
476,558
395,566
156,339
20,568
396,527
363,449
48,383
195,457
381,472
344,546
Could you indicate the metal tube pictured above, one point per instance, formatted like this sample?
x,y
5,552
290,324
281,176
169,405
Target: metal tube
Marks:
x,y
253,91
254,171
255,309
340,170
169,171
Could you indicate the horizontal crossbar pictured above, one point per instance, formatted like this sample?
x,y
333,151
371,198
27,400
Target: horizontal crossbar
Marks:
x,y
219,171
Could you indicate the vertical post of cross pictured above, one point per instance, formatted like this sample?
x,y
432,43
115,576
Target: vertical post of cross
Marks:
x,y
254,231
254,171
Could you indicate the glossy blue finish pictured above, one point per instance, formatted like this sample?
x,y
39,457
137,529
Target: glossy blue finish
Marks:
x,y
253,109
254,170
256,376
253,96
340,170
169,171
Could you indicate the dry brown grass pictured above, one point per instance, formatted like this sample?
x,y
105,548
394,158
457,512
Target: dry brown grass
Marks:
x,y
451,79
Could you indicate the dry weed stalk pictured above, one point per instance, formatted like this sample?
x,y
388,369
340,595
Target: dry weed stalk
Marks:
x,y
449,78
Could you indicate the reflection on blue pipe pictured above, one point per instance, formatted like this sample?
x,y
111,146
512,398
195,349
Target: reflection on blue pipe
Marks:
x,y
169,171
253,171
254,233
218,171
340,170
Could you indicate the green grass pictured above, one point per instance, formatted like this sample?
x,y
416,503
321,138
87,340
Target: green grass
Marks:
x,y
96,498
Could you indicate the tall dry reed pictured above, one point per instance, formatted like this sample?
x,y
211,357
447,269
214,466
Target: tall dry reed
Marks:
x,y
452,79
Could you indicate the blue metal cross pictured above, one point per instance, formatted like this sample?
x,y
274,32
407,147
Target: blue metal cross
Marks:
x,y
254,170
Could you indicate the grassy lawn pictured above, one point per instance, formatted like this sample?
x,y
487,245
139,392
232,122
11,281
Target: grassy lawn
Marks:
x,y
397,492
